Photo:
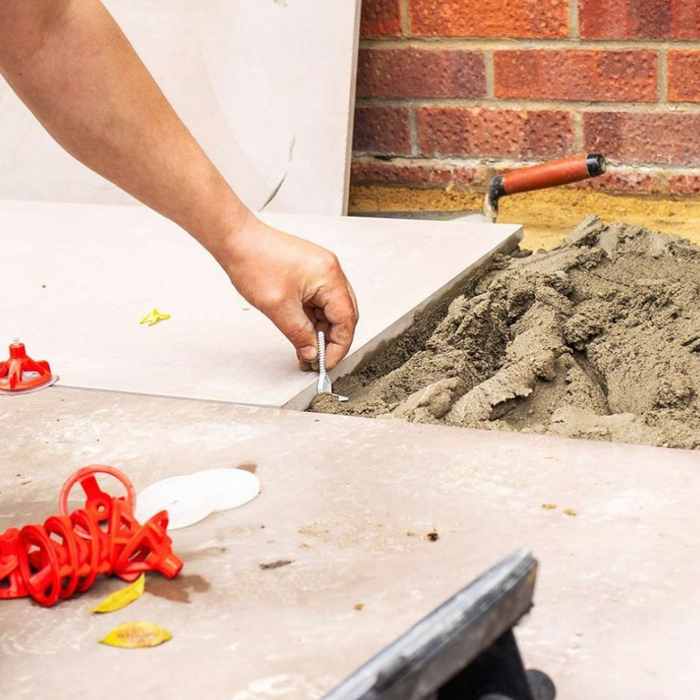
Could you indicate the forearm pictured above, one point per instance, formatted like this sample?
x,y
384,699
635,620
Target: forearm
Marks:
x,y
76,71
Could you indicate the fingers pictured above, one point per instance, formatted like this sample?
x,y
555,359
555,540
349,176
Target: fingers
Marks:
x,y
340,310
354,300
294,321
299,286
318,320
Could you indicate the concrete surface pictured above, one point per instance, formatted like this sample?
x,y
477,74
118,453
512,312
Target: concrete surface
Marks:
x,y
350,502
80,278
266,93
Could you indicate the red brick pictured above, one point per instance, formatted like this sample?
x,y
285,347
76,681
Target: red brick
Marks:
x,y
684,76
372,171
455,131
639,19
684,183
380,18
613,76
490,18
418,73
382,130
665,139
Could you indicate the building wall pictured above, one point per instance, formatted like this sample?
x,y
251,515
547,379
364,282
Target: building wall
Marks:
x,y
450,92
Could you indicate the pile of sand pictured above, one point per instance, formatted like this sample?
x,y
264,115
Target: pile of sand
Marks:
x,y
598,338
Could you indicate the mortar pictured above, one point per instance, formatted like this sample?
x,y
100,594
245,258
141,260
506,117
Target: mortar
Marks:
x,y
598,338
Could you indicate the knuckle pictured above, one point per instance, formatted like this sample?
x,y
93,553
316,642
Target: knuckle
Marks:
x,y
331,261
272,299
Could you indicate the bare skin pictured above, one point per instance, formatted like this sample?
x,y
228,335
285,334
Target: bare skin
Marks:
x,y
75,70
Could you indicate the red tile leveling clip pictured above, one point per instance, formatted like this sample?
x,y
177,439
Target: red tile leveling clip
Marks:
x,y
65,555
20,374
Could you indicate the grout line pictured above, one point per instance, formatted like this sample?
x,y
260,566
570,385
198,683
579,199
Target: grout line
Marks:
x,y
471,161
658,172
413,124
663,76
680,108
574,22
490,68
478,43
405,16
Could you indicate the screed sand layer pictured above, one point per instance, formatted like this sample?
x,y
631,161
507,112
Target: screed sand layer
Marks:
x,y
598,338
546,215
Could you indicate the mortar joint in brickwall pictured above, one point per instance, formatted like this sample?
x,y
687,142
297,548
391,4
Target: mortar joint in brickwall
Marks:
x,y
679,108
663,76
574,26
640,166
510,44
660,173
615,164
490,74
498,165
584,106
413,126
405,17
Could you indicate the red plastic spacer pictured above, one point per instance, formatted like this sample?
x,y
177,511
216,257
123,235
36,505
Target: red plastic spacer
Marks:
x,y
121,529
150,549
20,373
39,565
11,581
52,561
93,549
66,545
97,501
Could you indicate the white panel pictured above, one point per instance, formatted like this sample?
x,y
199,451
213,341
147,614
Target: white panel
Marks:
x,y
266,86
79,278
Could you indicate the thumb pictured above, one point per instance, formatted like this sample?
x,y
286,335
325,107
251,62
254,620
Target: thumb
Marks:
x,y
292,320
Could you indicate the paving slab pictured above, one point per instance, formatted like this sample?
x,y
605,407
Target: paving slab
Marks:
x,y
268,96
79,278
349,502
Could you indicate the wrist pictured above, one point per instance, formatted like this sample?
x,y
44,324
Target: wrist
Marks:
x,y
229,221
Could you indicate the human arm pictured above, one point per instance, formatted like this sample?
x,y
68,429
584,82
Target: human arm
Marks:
x,y
75,70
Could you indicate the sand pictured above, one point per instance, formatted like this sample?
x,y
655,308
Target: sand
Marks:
x,y
598,338
546,215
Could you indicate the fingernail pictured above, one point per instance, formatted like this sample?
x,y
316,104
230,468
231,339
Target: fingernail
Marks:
x,y
309,353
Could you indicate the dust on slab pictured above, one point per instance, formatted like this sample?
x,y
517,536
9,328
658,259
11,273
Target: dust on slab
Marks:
x,y
598,338
251,467
178,590
276,564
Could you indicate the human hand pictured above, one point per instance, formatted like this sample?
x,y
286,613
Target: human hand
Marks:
x,y
298,285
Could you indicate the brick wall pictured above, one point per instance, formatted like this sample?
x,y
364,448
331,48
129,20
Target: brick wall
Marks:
x,y
453,91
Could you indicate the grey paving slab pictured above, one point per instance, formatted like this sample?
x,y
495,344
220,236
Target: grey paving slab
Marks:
x,y
79,279
350,502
